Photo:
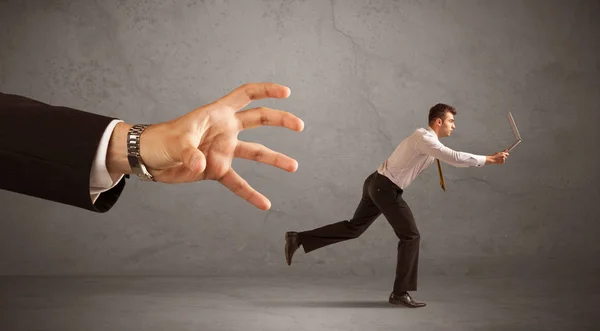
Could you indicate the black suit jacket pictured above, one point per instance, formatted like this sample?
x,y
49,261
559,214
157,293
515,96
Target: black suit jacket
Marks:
x,y
47,152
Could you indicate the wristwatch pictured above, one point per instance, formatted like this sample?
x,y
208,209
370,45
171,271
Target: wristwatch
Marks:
x,y
133,152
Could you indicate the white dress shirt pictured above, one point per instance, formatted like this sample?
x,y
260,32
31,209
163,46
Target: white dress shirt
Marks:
x,y
100,179
416,152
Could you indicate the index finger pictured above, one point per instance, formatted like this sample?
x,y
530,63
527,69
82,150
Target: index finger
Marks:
x,y
243,95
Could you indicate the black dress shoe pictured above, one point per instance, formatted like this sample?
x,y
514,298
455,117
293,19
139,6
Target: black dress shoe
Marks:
x,y
291,245
405,299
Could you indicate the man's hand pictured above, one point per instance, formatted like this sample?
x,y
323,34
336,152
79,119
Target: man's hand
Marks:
x,y
201,145
498,158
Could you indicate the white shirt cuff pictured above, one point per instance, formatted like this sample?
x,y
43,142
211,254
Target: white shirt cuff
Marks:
x,y
480,160
100,179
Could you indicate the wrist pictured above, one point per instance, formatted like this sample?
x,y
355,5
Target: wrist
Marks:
x,y
116,158
489,160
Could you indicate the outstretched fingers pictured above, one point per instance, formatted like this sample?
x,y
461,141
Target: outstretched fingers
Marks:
x,y
243,95
260,116
260,153
240,187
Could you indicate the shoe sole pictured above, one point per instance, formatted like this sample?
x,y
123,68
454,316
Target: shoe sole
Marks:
x,y
399,303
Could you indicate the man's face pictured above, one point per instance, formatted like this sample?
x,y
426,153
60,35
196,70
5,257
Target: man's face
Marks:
x,y
447,125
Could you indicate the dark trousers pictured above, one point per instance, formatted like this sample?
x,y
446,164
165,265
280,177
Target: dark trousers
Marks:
x,y
380,195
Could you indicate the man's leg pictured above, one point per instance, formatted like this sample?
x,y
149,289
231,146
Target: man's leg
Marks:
x,y
365,214
406,230
388,198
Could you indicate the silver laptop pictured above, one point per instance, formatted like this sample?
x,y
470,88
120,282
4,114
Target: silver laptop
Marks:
x,y
511,120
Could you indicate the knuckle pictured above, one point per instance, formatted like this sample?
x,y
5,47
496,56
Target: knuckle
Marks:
x,y
239,186
285,116
264,119
220,171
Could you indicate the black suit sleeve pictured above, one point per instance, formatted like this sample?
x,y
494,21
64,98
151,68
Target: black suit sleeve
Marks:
x,y
48,151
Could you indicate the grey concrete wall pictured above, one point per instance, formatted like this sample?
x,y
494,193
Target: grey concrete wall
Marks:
x,y
363,76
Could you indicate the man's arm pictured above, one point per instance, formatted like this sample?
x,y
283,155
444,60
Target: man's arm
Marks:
x,y
430,146
48,152
55,159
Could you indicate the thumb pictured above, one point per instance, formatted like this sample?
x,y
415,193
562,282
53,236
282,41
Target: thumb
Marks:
x,y
193,159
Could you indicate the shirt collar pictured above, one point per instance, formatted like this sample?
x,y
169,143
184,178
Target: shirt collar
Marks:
x,y
432,132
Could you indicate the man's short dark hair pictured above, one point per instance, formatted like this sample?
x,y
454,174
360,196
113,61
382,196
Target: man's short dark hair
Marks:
x,y
439,111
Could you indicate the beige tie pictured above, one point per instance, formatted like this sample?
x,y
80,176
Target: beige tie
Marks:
x,y
441,176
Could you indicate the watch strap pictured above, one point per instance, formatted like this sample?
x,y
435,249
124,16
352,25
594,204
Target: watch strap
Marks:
x,y
133,152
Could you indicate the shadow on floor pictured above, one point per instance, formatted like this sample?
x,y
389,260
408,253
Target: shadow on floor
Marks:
x,y
328,304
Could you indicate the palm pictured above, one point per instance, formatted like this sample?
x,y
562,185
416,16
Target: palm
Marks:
x,y
217,143
210,134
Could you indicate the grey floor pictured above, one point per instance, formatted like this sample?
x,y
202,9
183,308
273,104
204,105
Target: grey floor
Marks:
x,y
54,303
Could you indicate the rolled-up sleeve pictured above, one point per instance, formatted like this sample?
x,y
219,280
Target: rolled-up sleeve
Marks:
x,y
431,146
